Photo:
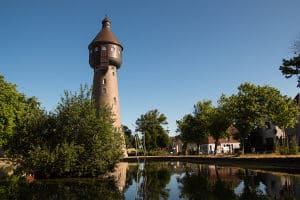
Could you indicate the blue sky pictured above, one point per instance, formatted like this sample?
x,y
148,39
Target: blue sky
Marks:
x,y
175,52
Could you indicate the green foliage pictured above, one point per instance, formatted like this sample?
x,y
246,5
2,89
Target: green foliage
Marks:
x,y
153,180
253,105
150,125
219,125
291,67
15,187
129,138
285,149
157,153
29,129
205,121
187,128
198,185
74,141
16,111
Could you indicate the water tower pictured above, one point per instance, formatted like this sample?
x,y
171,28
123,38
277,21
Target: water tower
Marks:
x,y
105,57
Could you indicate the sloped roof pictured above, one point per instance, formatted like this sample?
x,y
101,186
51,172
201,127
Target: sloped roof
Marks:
x,y
106,35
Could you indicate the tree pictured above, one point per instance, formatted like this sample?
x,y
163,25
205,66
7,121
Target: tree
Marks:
x,y
74,141
19,115
129,138
291,67
187,129
150,125
194,128
29,129
253,105
219,124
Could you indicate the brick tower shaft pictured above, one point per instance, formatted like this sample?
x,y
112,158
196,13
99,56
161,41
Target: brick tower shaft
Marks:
x,y
105,91
105,57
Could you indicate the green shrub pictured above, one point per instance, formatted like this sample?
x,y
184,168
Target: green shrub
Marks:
x,y
75,141
157,153
284,149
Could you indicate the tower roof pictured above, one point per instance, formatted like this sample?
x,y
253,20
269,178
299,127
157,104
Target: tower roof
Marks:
x,y
106,35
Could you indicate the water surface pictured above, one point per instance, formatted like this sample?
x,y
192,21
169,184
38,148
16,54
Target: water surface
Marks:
x,y
162,180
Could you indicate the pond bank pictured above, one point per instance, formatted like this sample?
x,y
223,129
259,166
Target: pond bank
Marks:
x,y
290,164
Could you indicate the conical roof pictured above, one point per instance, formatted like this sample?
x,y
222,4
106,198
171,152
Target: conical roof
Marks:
x,y
106,35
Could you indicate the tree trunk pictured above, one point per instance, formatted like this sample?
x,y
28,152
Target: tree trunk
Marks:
x,y
184,147
242,146
216,145
286,137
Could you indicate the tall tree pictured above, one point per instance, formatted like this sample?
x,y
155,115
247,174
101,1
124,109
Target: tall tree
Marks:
x,y
186,127
219,125
151,125
16,111
253,105
194,128
129,138
291,67
71,142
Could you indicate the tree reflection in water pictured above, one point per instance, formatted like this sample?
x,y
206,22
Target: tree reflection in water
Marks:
x,y
210,182
198,185
151,180
17,188
163,180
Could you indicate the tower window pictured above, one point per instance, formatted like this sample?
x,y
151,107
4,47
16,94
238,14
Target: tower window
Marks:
x,y
104,81
104,90
119,52
115,100
113,73
91,51
96,49
112,49
103,48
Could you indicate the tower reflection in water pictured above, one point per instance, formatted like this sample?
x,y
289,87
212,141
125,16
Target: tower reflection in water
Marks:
x,y
161,180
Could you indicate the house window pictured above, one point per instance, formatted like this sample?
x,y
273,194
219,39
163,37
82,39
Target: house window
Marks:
x,y
104,81
104,90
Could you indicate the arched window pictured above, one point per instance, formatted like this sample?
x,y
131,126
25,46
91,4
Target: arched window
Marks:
x,y
104,81
104,90
103,48
96,49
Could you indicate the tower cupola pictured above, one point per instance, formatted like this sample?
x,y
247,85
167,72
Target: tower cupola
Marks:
x,y
105,48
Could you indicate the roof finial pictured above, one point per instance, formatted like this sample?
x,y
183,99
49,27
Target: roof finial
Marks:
x,y
106,22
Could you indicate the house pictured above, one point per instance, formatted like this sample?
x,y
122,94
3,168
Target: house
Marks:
x,y
177,146
263,139
226,145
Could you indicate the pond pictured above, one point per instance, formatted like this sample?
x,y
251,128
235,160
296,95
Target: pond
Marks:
x,y
162,180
